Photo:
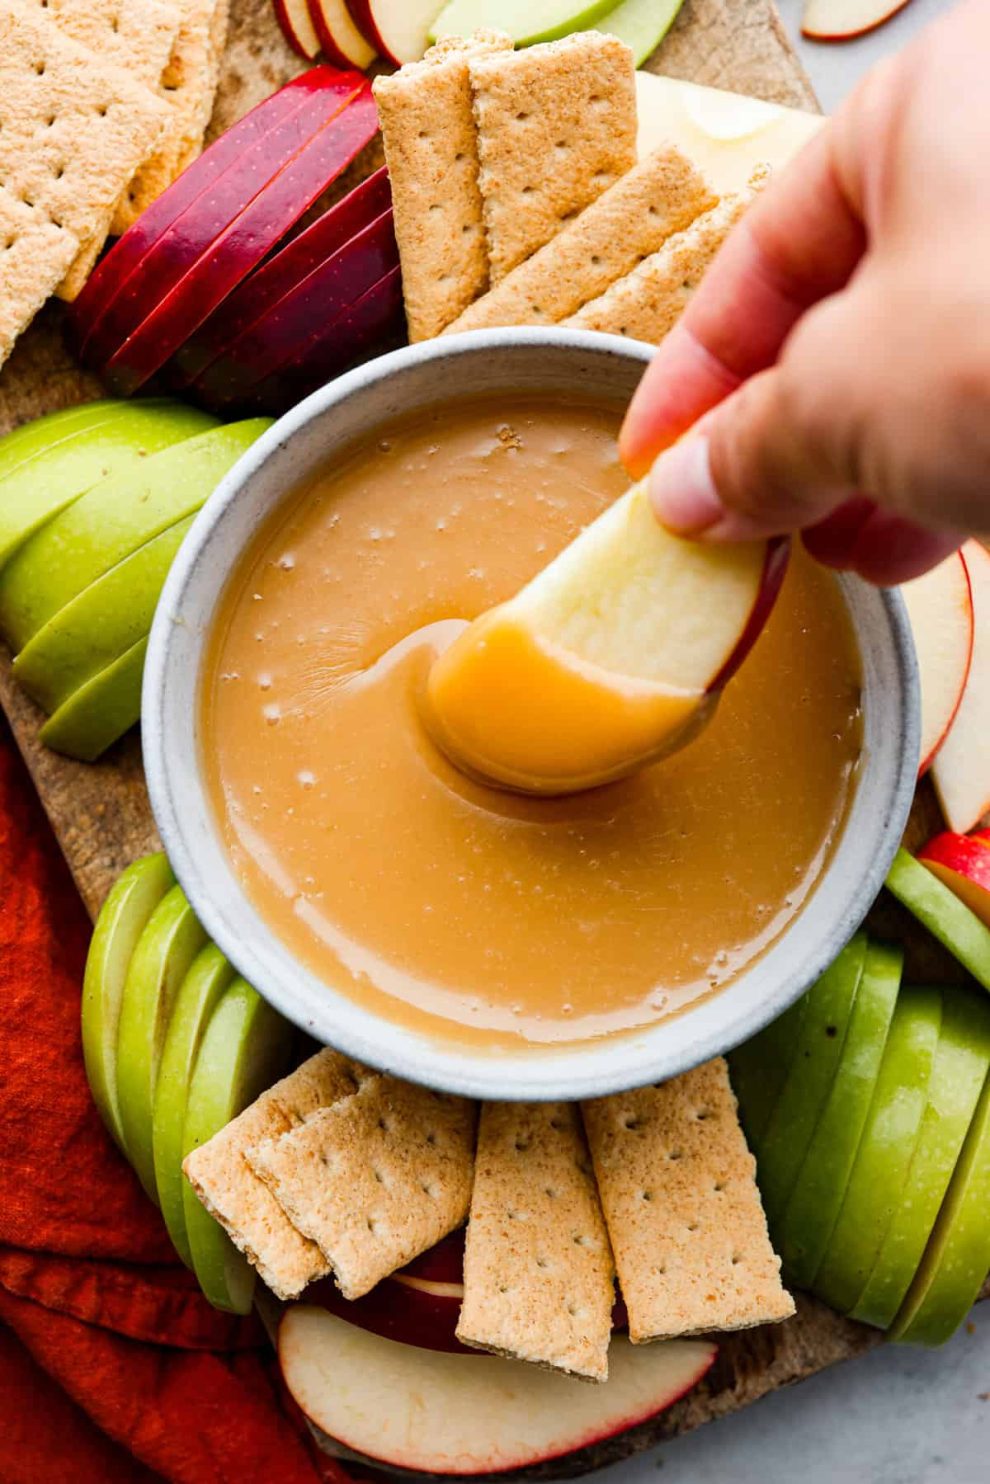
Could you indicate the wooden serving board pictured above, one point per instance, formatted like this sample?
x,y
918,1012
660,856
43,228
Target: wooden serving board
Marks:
x,y
100,812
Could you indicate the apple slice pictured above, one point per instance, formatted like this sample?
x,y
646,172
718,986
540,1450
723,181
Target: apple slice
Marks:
x,y
99,713
760,1065
340,39
282,272
297,27
940,607
641,24
122,920
961,772
323,297
199,994
399,30
245,1048
842,20
526,21
802,1232
939,910
219,184
25,442
110,522
781,1148
964,867
962,1063
162,959
954,1266
444,1414
59,463
886,1148
397,1311
611,657
243,244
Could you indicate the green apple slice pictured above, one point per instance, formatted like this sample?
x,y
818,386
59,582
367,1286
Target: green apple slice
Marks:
x,y
801,1235
526,21
244,1050
942,913
41,433
161,961
123,918
110,521
781,1149
198,996
641,24
101,711
957,1258
759,1068
883,1159
101,625
74,458
962,1064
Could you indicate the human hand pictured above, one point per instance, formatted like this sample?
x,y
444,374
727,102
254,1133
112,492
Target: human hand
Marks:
x,y
840,343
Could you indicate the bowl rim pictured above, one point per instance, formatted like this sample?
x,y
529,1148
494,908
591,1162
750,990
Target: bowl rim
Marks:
x,y
579,1070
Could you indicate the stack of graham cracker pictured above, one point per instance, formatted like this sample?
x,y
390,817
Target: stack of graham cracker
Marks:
x,y
102,104
340,1170
519,200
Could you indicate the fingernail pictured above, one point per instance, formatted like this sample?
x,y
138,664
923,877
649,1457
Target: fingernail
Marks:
x,y
682,490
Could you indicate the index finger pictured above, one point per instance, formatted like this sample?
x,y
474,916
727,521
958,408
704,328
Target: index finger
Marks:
x,y
798,243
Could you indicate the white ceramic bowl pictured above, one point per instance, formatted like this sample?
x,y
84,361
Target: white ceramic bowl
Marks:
x,y
298,445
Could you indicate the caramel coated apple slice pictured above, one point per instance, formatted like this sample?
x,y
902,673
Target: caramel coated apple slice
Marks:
x,y
610,658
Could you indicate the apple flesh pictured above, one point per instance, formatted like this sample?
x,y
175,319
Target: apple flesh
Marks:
x,y
938,909
395,1310
940,607
123,918
243,244
443,1414
398,29
526,21
99,713
297,27
842,20
961,772
340,40
610,658
963,865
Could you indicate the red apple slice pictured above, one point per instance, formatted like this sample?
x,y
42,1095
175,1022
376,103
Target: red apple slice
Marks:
x,y
396,1311
961,771
444,1414
297,27
443,1263
398,29
372,325
963,864
940,607
206,196
324,295
611,657
841,20
282,273
340,39
243,244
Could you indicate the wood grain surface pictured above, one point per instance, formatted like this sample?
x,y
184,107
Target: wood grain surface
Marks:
x,y
100,812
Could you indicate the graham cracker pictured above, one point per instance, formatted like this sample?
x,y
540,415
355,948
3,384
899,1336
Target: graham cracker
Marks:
x,y
678,1188
245,1207
376,1179
432,155
189,85
73,127
661,195
648,302
556,127
134,34
537,1263
34,256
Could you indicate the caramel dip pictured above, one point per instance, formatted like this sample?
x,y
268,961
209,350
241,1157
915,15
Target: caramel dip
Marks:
x,y
460,909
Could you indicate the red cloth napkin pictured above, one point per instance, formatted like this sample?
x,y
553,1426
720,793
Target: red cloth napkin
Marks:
x,y
112,1365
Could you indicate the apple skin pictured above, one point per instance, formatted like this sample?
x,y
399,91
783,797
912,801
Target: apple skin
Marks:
x,y
821,21
543,22
239,248
123,918
940,607
405,42
961,771
99,713
774,572
226,168
963,865
324,296
395,1311
441,1414
284,271
942,913
641,24
297,27
147,271
341,40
